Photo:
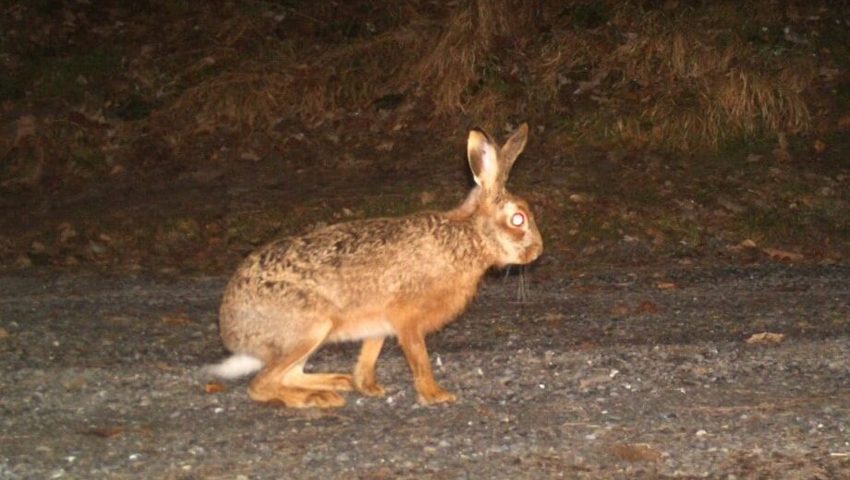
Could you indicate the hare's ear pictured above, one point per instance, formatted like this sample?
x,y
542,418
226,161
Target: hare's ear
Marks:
x,y
483,159
512,148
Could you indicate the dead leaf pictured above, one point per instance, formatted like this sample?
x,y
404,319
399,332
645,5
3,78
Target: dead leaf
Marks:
x,y
658,237
4,333
554,319
579,198
66,232
781,155
820,146
647,307
214,387
744,245
25,128
176,320
844,122
427,197
782,255
23,261
620,310
782,139
164,367
765,338
594,380
249,155
585,288
635,452
106,432
665,285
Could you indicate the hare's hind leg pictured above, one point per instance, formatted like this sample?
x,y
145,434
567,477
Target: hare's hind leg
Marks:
x,y
283,379
364,371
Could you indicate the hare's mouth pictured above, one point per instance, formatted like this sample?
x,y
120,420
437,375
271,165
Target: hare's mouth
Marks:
x,y
532,254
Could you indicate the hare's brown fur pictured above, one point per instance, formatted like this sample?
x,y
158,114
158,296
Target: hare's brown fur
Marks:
x,y
367,280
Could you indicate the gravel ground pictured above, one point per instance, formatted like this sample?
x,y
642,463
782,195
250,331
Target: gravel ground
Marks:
x,y
602,374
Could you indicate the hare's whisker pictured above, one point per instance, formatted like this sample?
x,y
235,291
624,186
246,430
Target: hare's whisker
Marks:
x,y
522,290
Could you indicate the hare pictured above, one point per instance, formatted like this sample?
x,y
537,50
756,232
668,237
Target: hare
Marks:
x,y
370,279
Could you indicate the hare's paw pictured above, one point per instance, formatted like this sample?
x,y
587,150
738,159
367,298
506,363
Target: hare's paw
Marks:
x,y
434,395
368,387
299,397
327,381
323,399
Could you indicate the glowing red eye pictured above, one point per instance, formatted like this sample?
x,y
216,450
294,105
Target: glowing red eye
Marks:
x,y
518,219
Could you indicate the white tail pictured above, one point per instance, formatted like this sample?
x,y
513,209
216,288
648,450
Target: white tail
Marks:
x,y
237,365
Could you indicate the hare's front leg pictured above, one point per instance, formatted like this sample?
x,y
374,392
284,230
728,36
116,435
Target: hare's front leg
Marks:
x,y
364,372
412,342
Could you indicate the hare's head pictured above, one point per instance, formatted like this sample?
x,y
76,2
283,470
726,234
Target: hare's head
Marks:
x,y
506,221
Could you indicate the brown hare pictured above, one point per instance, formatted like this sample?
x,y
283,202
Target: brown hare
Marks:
x,y
369,279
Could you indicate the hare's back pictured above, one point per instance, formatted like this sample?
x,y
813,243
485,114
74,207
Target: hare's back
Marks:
x,y
381,244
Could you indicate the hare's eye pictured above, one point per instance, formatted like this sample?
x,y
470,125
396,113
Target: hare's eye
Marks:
x,y
518,219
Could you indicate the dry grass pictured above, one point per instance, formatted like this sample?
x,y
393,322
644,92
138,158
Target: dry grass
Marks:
x,y
685,78
434,58
676,75
700,82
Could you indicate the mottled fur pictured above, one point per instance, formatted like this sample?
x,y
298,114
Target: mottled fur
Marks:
x,y
366,280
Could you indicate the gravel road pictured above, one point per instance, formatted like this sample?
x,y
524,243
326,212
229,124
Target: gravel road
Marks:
x,y
644,373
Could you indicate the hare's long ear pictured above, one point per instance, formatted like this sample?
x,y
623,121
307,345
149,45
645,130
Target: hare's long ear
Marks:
x,y
483,160
511,150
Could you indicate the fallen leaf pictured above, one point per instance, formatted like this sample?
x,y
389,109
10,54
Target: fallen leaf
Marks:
x,y
731,205
820,146
782,255
164,366
37,247
635,452
658,237
619,310
214,387
4,333
66,232
579,198
765,338
176,320
647,307
782,139
585,288
665,285
25,128
106,432
554,319
593,381
744,245
249,155
781,155
427,197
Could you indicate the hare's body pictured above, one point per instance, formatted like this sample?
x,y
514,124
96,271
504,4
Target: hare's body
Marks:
x,y
359,279
367,280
